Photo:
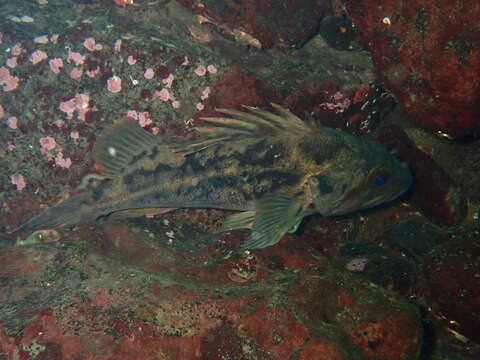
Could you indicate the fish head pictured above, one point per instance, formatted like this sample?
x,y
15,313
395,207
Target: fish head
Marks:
x,y
363,175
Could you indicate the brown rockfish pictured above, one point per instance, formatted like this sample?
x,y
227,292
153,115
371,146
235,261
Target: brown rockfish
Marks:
x,y
273,168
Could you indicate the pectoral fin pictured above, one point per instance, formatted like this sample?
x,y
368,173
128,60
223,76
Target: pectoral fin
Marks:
x,y
243,220
295,227
276,215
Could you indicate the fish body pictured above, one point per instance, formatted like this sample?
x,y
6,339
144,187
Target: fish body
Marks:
x,y
273,168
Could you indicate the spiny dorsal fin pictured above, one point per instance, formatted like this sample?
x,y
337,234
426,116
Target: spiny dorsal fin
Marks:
x,y
255,123
120,144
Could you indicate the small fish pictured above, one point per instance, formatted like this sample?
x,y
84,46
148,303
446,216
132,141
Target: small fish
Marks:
x,y
273,168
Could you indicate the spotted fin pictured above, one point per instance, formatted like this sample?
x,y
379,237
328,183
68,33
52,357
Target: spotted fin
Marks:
x,y
276,215
253,123
120,145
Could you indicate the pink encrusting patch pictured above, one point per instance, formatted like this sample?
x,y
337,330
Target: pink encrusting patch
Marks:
x,y
68,107
55,65
131,60
337,96
54,38
357,264
90,44
75,135
339,102
212,69
12,122
361,94
201,70
76,58
93,73
11,62
82,101
79,103
149,73
16,49
144,119
76,73
132,114
42,39
8,81
48,143
163,94
205,93
114,84
18,181
38,56
62,162
118,45
168,81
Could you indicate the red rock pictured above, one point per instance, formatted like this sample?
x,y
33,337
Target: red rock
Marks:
x,y
272,328
321,349
220,343
427,54
235,89
273,22
452,282
387,336
433,193
103,296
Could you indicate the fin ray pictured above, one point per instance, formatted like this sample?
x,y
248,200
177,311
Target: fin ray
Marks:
x,y
253,123
276,214
243,220
119,144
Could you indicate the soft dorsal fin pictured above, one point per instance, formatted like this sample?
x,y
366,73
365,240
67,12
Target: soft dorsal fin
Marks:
x,y
255,123
119,145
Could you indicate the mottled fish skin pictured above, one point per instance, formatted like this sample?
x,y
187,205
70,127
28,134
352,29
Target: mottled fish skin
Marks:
x,y
228,176
242,162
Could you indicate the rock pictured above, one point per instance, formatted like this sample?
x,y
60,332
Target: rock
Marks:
x,y
130,290
427,54
452,272
433,192
282,23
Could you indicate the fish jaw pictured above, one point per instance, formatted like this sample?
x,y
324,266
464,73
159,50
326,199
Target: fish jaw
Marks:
x,y
366,176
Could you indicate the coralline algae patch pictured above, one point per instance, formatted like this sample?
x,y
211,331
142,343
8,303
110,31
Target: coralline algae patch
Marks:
x,y
57,91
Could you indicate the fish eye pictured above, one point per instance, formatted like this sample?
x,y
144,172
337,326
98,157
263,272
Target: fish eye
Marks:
x,y
379,177
380,180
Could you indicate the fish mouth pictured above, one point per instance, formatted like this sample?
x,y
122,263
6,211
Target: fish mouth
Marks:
x,y
348,205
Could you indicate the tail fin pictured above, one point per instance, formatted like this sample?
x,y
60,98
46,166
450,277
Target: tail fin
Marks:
x,y
66,213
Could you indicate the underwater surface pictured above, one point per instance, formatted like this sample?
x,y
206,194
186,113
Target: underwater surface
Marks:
x,y
239,180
